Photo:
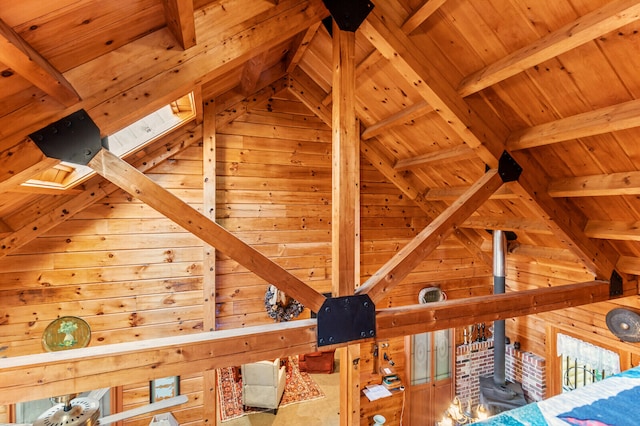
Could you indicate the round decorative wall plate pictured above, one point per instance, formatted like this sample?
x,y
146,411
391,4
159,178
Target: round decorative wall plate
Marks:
x,y
66,333
431,294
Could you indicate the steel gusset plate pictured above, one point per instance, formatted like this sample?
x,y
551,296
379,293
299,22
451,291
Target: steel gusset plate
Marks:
x,y
345,319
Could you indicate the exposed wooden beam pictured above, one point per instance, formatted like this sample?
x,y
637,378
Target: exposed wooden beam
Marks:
x,y
506,224
613,230
457,153
20,163
609,17
407,320
452,193
604,120
29,377
373,57
345,167
300,45
311,94
597,255
140,186
427,9
410,62
627,183
114,103
403,116
17,54
180,21
629,265
407,258
486,138
251,71
66,207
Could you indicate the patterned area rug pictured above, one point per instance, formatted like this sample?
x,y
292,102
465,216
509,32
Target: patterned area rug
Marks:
x,y
300,387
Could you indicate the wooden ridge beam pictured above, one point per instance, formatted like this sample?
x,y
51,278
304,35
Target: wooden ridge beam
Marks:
x,y
626,183
17,54
609,17
181,22
140,186
407,258
407,320
403,116
506,224
451,193
457,153
604,120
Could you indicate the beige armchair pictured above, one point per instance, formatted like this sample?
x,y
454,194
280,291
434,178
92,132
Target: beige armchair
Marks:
x,y
263,384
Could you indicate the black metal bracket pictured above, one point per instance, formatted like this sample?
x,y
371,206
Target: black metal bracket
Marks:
x,y
615,284
75,139
508,169
348,14
345,319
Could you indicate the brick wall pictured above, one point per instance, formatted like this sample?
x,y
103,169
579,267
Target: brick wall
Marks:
x,y
476,359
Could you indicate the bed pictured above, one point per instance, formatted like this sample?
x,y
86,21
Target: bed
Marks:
x,y
609,402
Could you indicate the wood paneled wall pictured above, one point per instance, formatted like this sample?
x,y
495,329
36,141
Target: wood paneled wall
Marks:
x,y
133,274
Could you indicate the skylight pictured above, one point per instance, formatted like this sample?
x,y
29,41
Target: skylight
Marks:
x,y
65,175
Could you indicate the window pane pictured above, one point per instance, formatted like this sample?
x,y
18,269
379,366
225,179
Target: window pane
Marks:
x,y
420,359
442,355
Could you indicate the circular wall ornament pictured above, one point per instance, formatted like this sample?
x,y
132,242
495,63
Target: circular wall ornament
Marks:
x,y
279,306
66,333
431,294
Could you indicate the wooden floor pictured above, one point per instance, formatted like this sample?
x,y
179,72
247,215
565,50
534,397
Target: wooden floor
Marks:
x,y
323,411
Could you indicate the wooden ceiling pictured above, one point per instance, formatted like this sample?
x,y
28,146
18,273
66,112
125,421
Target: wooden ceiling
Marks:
x,y
444,87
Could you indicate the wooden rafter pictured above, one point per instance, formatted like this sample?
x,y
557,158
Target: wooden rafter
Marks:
x,y
613,230
300,45
601,21
460,152
505,224
627,183
604,120
411,63
405,260
414,111
137,184
29,377
487,140
20,163
18,55
180,21
427,9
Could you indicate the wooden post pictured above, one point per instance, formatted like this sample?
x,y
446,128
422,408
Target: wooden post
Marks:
x,y
209,377
345,273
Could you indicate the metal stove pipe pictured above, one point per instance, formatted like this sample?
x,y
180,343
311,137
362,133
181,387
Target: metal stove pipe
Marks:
x,y
499,258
